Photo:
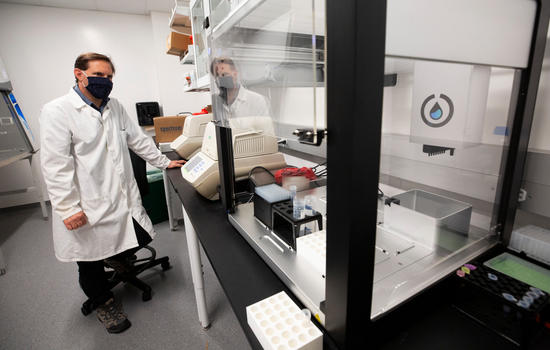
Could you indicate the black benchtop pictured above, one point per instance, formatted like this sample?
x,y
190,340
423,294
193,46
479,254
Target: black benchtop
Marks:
x,y
243,275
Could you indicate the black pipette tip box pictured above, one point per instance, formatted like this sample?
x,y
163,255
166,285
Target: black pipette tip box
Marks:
x,y
263,209
264,198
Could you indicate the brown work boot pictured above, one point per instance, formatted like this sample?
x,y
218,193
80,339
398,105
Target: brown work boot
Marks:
x,y
113,317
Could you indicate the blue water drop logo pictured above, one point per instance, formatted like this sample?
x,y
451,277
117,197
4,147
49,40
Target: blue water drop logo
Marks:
x,y
436,112
437,117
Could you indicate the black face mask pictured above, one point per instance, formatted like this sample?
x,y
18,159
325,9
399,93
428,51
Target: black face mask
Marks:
x,y
225,81
99,87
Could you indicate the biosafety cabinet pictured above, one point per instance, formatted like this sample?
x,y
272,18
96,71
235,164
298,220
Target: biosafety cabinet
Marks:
x,y
423,110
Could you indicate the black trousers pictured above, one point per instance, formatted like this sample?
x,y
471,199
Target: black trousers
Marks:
x,y
92,276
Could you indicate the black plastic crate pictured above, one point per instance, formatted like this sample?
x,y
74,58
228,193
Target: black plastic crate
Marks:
x,y
497,301
263,209
286,227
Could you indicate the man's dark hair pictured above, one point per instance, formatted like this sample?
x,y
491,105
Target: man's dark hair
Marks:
x,y
216,61
83,60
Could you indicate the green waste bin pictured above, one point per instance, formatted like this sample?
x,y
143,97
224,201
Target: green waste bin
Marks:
x,y
155,201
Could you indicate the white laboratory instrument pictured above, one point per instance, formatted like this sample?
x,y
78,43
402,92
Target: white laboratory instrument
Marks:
x,y
449,103
190,141
251,148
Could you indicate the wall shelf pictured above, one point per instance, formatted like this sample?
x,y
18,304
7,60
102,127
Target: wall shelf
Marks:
x,y
202,84
189,57
179,20
196,89
239,13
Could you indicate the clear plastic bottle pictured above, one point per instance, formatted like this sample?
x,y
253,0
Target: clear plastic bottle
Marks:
x,y
298,208
292,190
308,205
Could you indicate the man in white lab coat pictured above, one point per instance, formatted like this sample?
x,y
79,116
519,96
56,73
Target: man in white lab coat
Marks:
x,y
239,107
97,210
238,101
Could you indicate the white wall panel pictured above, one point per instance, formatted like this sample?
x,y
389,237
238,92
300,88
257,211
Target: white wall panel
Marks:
x,y
39,45
494,32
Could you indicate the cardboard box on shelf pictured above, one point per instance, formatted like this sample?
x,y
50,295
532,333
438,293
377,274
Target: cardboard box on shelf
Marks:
x,y
177,43
167,129
182,24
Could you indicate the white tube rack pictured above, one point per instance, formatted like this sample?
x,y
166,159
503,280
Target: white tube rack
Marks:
x,y
313,248
279,324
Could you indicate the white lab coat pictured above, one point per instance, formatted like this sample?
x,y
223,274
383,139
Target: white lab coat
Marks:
x,y
247,104
87,167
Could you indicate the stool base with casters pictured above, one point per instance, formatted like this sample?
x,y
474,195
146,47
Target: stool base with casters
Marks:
x,y
127,271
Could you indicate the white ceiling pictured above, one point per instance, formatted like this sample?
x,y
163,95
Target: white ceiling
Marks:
x,y
139,7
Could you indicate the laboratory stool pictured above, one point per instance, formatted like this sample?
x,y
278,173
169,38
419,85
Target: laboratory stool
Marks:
x,y
127,271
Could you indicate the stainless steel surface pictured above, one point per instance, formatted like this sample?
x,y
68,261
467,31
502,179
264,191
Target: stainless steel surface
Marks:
x,y
403,267
380,255
422,215
293,270
411,267
391,243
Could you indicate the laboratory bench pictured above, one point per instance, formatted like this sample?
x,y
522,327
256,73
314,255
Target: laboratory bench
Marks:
x,y
428,321
243,275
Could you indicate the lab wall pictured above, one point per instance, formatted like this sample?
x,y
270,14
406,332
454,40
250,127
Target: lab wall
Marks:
x,y
297,106
39,45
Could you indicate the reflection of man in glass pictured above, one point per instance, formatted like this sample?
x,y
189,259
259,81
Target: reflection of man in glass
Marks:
x,y
238,101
